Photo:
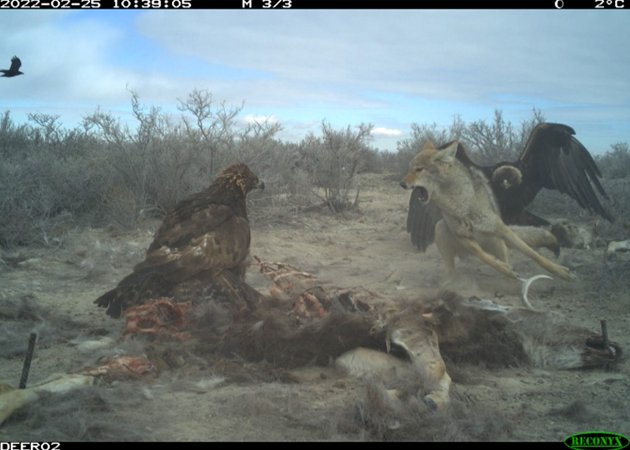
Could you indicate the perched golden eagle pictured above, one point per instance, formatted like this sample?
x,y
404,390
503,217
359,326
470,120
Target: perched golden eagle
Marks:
x,y
204,235
14,70
553,158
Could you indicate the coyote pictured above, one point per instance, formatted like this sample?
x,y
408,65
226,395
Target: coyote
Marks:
x,y
471,223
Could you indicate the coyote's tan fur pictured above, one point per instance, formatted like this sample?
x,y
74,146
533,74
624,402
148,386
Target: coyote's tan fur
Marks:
x,y
471,223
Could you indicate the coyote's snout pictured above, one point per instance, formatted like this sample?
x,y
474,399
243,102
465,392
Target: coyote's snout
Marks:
x,y
471,222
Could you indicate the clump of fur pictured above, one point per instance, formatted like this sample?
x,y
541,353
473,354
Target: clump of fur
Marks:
x,y
273,337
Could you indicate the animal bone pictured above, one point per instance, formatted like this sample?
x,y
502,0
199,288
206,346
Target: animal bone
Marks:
x,y
525,288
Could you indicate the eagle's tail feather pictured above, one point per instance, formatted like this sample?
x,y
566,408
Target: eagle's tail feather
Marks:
x,y
112,300
132,290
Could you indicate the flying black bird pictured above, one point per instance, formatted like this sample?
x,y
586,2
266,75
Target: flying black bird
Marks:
x,y
14,70
553,158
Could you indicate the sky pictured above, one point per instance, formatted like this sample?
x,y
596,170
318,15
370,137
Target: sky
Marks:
x,y
388,68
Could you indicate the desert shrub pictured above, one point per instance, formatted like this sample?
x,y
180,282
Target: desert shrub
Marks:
x,y
14,139
615,163
110,172
50,181
332,161
618,190
220,140
107,171
372,161
164,159
287,186
499,140
151,165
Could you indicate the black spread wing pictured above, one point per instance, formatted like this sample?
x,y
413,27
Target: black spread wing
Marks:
x,y
15,64
554,159
421,220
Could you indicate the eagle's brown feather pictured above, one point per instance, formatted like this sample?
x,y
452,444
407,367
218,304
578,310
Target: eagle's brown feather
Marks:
x,y
207,233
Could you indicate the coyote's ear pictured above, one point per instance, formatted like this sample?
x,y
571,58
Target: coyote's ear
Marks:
x,y
429,145
447,154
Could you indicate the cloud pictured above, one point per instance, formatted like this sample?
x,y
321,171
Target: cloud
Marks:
x,y
259,119
380,131
457,55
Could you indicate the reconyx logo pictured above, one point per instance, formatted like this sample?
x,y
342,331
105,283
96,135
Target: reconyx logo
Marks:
x,y
596,439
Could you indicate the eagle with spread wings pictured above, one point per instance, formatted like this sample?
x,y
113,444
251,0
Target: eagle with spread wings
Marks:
x,y
205,235
553,159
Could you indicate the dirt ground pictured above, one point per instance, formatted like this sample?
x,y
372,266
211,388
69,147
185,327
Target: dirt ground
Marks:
x,y
51,291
